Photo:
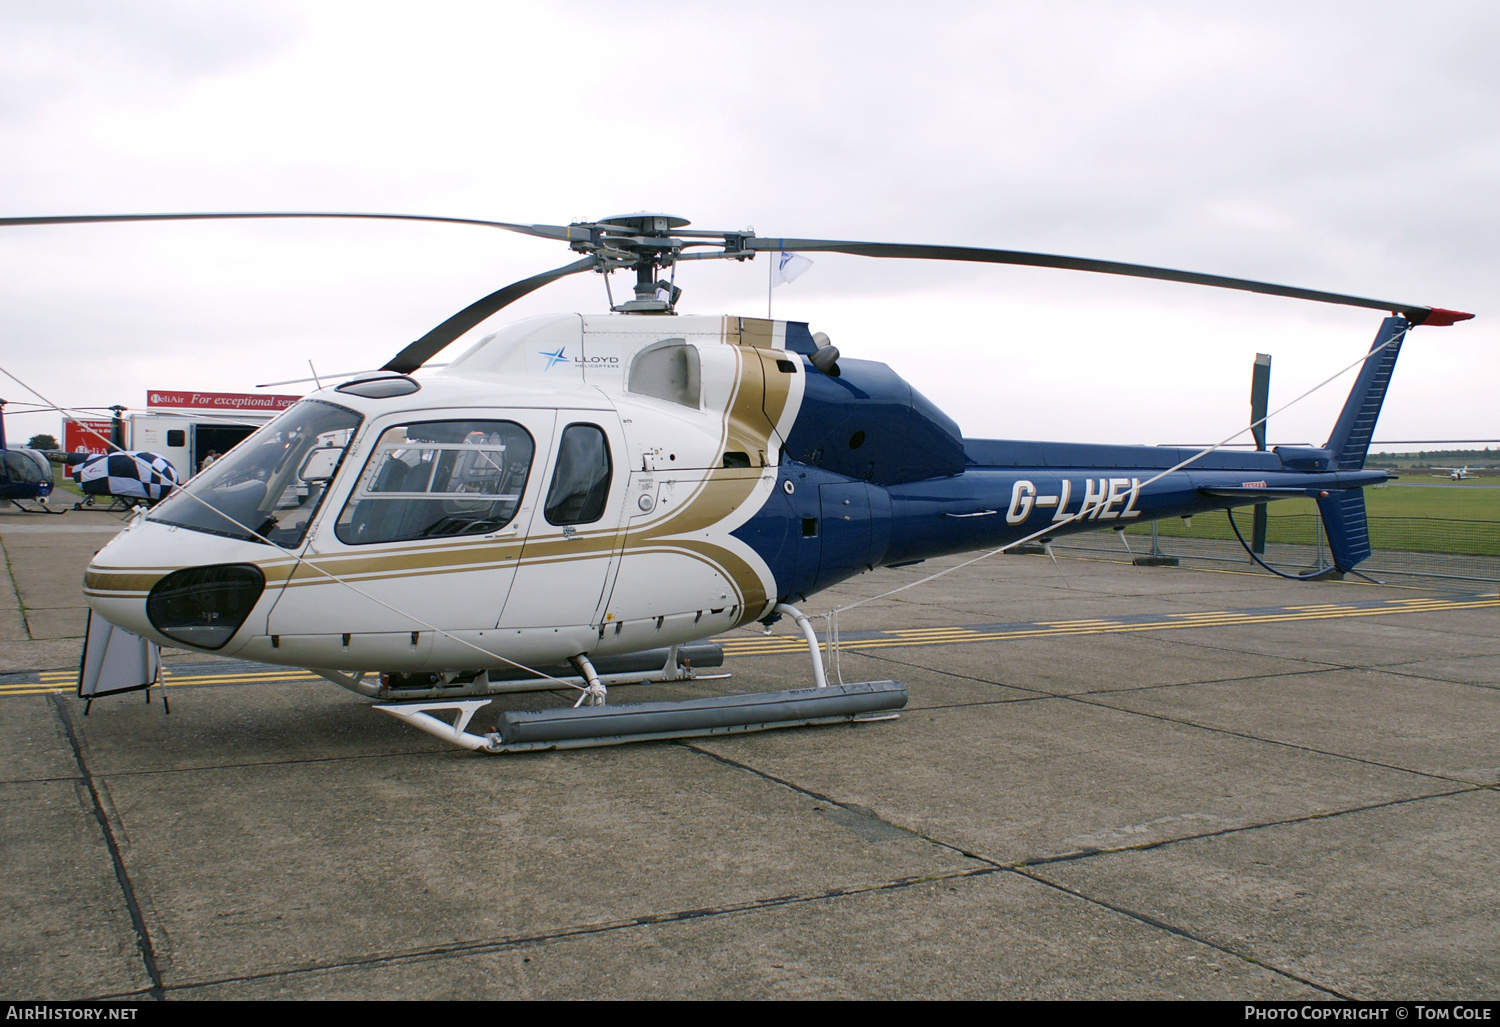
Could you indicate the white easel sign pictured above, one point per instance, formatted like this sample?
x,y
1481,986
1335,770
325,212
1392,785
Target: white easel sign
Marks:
x,y
115,660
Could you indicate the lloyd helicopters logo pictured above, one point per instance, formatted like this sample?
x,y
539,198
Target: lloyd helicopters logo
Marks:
x,y
598,363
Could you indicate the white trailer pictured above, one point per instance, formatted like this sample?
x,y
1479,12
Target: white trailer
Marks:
x,y
186,437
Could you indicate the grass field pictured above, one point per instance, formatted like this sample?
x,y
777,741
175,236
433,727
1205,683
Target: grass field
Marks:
x,y
1461,500
1459,517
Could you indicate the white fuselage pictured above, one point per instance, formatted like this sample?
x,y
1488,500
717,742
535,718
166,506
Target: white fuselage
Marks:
x,y
656,567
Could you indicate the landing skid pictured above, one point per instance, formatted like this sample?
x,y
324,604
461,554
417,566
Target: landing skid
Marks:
x,y
117,504
593,722
593,726
45,509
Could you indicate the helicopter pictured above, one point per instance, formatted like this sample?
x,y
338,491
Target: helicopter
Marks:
x,y
580,500
25,474
127,477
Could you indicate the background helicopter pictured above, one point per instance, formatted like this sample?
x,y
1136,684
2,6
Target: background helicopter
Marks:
x,y
584,489
128,477
25,474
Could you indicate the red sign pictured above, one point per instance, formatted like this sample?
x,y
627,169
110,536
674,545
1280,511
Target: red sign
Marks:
x,y
177,399
86,436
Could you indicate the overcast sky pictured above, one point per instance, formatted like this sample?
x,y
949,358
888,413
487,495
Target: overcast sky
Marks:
x,y
1349,147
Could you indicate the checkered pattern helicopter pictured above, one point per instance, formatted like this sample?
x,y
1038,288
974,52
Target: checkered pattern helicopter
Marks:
x,y
578,501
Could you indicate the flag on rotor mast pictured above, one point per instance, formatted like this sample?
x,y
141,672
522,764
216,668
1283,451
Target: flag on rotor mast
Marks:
x,y
785,267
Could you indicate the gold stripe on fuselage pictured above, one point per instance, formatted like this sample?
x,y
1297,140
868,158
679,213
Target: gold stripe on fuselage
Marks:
x,y
109,581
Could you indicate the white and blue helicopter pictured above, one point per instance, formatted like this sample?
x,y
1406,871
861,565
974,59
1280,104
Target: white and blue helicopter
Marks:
x,y
580,500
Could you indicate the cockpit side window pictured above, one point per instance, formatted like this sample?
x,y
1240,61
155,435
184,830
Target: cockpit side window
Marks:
x,y
580,484
438,479
668,370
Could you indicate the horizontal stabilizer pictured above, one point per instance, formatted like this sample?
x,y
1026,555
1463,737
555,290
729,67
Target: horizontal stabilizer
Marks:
x,y
1260,492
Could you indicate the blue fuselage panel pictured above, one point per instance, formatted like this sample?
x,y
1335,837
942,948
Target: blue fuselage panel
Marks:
x,y
872,474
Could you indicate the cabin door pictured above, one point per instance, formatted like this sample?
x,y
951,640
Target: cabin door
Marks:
x,y
572,544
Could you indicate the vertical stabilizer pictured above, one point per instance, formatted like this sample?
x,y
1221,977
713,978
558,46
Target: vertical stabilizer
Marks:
x,y
1351,436
1347,527
1343,513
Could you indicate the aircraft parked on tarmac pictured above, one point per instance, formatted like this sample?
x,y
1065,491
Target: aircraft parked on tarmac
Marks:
x,y
127,477
25,474
578,499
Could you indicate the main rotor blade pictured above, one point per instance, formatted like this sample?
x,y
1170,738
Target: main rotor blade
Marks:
x,y
542,231
419,352
1415,313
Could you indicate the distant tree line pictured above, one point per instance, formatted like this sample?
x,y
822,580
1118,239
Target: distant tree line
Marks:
x,y
1438,457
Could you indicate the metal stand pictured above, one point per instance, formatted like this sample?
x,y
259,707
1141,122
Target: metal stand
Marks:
x,y
1156,558
165,705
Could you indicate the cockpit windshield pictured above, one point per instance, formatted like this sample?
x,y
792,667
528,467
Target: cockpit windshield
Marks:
x,y
269,486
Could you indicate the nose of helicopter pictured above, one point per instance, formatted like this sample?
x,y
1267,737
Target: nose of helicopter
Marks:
x,y
179,587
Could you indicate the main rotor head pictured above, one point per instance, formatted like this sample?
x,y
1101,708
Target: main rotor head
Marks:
x,y
648,243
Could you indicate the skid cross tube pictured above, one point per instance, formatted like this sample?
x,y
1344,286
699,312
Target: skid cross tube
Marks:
x,y
812,640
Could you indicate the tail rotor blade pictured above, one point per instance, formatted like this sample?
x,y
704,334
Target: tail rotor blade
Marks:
x,y
1260,398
